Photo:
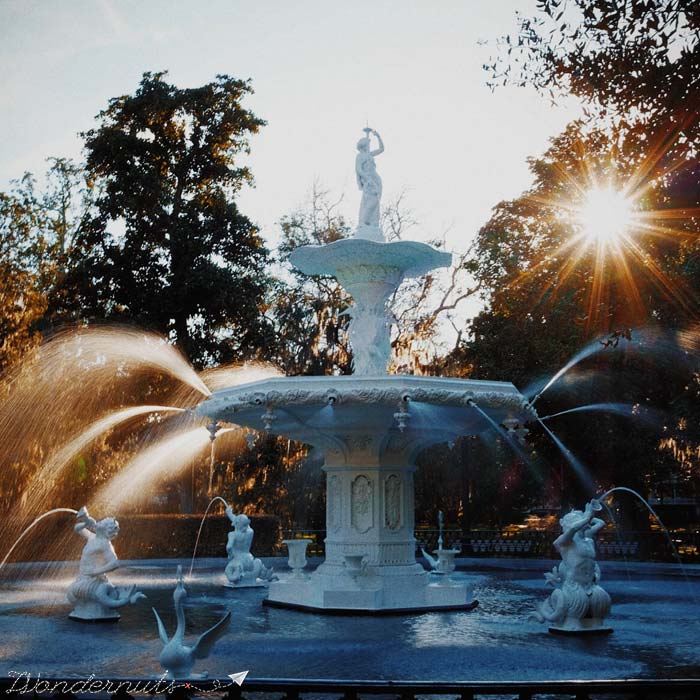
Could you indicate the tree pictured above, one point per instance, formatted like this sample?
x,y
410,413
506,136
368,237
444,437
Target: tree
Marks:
x,y
164,245
24,266
637,58
552,287
634,65
309,312
421,305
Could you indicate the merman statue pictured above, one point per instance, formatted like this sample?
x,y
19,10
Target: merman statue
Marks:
x,y
578,604
94,597
177,658
243,570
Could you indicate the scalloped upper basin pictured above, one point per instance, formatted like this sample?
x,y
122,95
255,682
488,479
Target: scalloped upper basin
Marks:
x,y
365,412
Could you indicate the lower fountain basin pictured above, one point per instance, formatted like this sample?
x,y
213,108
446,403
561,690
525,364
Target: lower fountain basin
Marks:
x,y
655,617
384,590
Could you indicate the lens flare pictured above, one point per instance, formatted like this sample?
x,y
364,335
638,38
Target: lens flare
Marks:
x,y
606,216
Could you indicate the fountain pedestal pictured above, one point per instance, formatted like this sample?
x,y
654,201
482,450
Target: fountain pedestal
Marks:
x,y
369,516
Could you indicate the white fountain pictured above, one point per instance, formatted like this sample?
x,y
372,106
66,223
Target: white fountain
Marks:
x,y
95,598
371,426
578,604
243,570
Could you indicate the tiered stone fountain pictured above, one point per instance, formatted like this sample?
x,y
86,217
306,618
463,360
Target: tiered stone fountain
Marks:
x,y
371,426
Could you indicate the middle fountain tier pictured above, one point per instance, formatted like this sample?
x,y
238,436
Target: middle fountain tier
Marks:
x,y
371,426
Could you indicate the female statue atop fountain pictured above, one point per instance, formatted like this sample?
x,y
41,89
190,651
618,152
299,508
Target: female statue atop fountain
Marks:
x,y
580,598
243,569
94,597
369,183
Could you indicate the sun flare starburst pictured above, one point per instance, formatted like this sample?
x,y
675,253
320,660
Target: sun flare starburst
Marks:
x,y
600,224
606,216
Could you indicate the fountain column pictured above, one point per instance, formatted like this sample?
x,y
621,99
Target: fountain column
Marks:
x,y
369,511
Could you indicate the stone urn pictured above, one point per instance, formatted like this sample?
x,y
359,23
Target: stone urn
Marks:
x,y
297,555
445,563
355,565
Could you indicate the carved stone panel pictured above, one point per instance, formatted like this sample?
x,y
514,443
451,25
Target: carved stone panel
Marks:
x,y
392,502
362,504
334,514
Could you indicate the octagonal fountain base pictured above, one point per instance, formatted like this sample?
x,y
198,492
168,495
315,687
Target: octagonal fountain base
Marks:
x,y
381,591
378,594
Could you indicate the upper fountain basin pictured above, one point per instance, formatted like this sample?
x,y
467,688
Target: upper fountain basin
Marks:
x,y
410,258
382,415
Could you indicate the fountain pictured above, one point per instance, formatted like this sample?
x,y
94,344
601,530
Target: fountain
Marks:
x,y
177,658
578,605
371,425
444,561
242,569
94,597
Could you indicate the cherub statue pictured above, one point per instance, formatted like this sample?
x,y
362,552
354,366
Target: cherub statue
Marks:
x,y
578,603
370,184
92,594
243,570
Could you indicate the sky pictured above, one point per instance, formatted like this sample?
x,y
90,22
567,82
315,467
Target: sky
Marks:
x,y
321,70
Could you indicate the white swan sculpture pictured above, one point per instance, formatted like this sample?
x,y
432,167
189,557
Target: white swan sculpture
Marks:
x,y
177,658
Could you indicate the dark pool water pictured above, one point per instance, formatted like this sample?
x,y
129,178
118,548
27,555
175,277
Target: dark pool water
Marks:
x,y
655,616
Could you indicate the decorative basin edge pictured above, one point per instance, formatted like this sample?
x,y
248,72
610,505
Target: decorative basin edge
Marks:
x,y
388,389
412,258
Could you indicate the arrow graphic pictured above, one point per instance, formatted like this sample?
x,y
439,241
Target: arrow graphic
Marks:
x,y
238,678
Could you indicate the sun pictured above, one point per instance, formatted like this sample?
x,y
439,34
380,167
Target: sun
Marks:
x,y
606,216
599,223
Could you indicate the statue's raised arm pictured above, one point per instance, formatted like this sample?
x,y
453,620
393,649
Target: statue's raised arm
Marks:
x,y
380,144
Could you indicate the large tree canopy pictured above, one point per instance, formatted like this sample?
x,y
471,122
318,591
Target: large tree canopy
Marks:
x,y
554,282
638,57
310,312
164,245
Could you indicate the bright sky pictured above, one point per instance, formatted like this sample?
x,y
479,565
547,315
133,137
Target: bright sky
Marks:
x,y
319,69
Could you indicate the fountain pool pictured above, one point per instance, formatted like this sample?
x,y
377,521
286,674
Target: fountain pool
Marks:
x,y
501,639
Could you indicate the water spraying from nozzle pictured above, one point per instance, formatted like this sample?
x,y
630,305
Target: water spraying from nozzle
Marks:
x,y
36,521
660,522
587,351
578,467
212,427
201,525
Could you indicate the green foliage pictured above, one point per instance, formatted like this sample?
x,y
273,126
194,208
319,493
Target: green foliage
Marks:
x,y
635,67
639,58
24,267
164,245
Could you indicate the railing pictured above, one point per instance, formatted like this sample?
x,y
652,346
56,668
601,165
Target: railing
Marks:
x,y
640,546
292,689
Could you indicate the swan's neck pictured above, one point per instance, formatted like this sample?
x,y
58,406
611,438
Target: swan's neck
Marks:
x,y
180,614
